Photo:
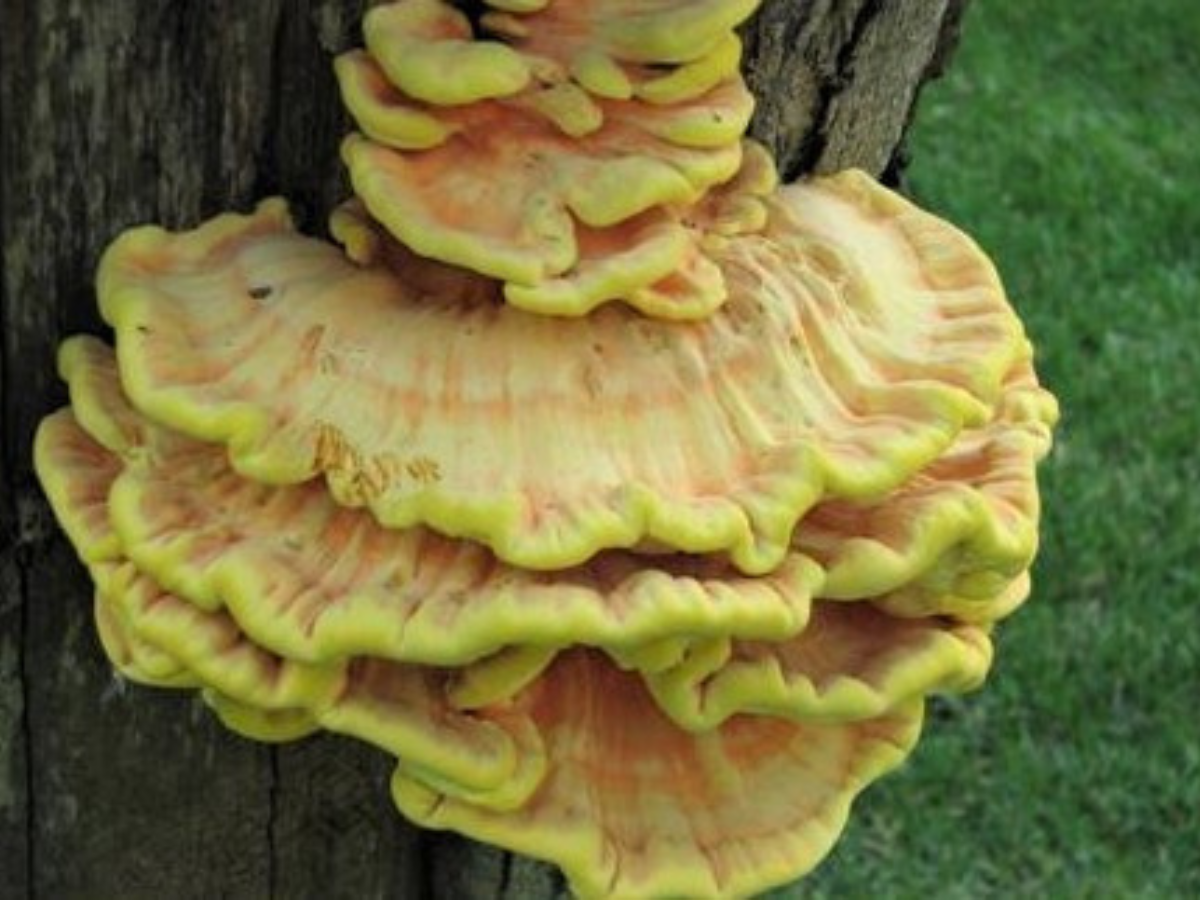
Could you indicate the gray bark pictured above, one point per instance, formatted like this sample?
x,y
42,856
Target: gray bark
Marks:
x,y
171,111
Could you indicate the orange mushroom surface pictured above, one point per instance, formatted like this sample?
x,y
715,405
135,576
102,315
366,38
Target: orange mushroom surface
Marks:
x,y
819,378
561,158
632,502
490,764
318,584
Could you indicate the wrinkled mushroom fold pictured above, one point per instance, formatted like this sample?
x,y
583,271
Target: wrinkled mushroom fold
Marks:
x,y
648,810
571,155
632,502
511,770
318,583
293,601
629,804
860,339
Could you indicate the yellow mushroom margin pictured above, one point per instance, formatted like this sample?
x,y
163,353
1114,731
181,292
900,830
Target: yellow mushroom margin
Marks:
x,y
953,538
158,638
316,581
815,381
636,807
251,558
564,155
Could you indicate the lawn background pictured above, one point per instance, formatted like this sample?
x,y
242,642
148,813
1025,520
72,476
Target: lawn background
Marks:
x,y
1065,138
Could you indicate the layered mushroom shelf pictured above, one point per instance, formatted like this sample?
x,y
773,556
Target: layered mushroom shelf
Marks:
x,y
634,502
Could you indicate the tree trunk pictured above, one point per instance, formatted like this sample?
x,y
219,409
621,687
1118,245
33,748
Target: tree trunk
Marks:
x,y
171,111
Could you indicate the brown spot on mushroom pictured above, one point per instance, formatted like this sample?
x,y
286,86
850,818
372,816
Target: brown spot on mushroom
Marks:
x,y
424,470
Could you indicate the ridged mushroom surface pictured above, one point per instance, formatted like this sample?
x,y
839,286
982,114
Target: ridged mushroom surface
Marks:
x,y
635,807
633,503
319,585
860,338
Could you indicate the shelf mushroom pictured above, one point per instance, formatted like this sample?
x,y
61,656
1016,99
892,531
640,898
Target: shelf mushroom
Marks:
x,y
632,502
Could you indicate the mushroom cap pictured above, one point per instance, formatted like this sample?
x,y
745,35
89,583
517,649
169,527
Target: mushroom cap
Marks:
x,y
161,638
572,761
853,662
663,49
632,806
948,542
319,585
565,154
658,262
420,41
543,209
132,657
316,581
953,538
648,40
602,783
861,336
406,710
557,754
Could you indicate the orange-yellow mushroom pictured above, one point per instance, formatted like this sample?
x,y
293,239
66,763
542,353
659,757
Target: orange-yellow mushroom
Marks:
x,y
632,502
550,440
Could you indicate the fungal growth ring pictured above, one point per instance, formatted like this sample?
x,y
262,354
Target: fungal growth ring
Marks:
x,y
632,501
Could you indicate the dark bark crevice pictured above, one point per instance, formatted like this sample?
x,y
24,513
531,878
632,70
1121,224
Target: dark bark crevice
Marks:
x,y
272,836
266,181
26,676
506,867
18,823
832,85
427,877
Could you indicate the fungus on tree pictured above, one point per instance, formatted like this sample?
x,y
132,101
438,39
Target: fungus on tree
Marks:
x,y
633,502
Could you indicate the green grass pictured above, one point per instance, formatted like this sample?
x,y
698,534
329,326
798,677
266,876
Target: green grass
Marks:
x,y
1065,139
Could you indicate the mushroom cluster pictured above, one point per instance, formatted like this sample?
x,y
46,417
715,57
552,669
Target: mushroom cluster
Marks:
x,y
633,502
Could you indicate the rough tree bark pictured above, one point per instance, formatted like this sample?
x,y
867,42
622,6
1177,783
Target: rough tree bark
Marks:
x,y
170,111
